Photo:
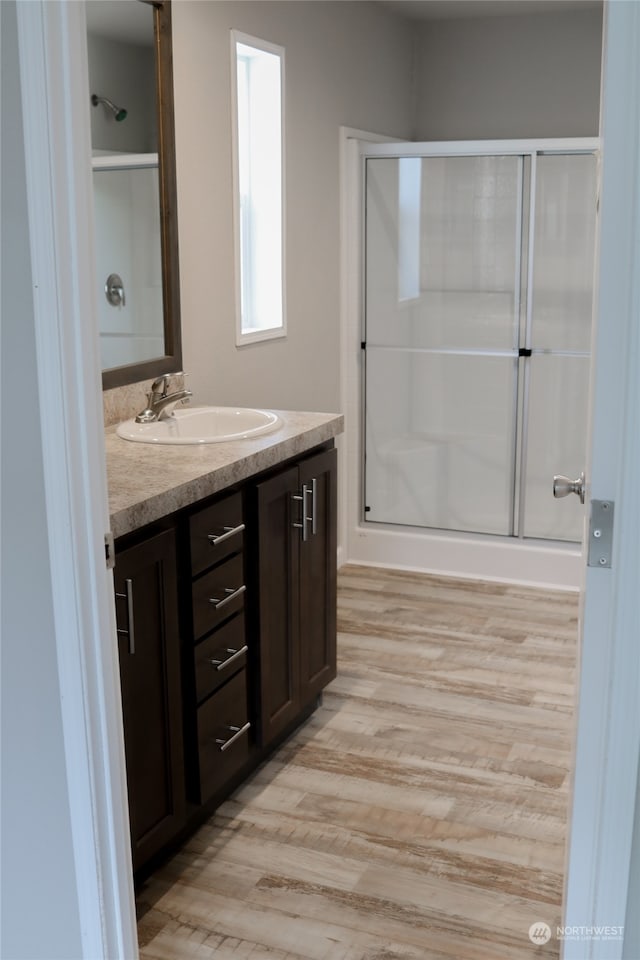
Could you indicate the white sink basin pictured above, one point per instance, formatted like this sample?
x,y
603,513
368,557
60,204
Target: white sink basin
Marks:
x,y
202,425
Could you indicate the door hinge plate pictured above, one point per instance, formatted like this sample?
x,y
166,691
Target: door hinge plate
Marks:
x,y
601,533
109,550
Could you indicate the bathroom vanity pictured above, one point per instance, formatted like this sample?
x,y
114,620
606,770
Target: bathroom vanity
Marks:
x,y
225,582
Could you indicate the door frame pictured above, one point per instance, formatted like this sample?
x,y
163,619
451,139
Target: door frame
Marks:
x,y
52,46
607,744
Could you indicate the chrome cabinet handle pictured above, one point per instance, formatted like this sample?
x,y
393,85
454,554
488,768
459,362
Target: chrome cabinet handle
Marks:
x,y
314,497
237,733
231,595
235,654
131,632
228,532
305,519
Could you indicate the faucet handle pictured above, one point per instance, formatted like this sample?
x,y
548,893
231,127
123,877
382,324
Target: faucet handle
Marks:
x,y
161,383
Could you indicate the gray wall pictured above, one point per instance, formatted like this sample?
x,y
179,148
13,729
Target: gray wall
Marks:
x,y
39,904
346,63
509,77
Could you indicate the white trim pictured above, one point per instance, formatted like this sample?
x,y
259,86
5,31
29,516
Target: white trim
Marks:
x,y
53,69
608,731
271,333
350,139
485,148
534,563
239,37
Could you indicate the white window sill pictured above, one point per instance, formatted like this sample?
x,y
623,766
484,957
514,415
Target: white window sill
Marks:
x,y
256,336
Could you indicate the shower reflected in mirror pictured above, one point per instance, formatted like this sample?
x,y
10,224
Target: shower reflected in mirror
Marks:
x,y
129,48
119,113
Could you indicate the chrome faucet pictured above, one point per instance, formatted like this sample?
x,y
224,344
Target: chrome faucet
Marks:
x,y
158,399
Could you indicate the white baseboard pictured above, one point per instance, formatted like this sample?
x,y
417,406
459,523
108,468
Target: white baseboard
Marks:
x,y
553,566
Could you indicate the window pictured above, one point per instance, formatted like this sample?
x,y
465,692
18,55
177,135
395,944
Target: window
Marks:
x,y
258,69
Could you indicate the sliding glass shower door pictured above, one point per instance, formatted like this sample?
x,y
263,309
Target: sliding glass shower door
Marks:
x,y
455,416
561,271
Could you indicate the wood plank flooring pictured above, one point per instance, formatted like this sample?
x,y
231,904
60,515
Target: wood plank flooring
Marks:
x,y
419,814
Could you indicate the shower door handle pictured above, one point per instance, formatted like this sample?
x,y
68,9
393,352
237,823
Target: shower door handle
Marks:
x,y
563,486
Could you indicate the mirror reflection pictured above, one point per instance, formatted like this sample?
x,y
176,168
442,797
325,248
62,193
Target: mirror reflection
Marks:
x,y
125,159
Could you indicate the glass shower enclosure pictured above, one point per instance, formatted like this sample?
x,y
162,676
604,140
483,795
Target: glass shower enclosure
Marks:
x,y
478,301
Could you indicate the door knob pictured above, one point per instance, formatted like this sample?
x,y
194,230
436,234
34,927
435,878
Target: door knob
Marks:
x,y
563,486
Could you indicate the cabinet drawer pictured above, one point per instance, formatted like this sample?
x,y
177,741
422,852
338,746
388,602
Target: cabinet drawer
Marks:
x,y
223,735
220,656
217,595
216,532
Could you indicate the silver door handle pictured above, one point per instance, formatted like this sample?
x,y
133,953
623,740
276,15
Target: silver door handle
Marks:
x,y
563,486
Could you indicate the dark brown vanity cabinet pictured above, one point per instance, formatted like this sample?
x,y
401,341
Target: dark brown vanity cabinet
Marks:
x,y
149,652
217,707
226,616
295,613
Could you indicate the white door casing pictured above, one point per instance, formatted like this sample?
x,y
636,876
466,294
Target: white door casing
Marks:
x,y
608,720
55,107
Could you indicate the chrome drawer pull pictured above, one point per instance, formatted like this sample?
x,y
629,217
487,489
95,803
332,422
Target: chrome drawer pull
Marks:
x,y
232,594
228,532
305,519
237,733
131,632
222,664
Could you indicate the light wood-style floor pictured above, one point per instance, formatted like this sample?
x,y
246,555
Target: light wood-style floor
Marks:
x,y
420,813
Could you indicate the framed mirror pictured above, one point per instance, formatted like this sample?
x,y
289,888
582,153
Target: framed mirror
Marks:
x,y
134,178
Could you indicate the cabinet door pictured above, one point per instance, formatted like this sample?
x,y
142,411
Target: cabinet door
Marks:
x,y
278,549
149,649
318,478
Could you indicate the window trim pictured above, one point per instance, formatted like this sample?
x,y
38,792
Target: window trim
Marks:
x,y
272,333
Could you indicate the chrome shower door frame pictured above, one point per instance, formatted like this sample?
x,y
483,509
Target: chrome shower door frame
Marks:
x,y
527,152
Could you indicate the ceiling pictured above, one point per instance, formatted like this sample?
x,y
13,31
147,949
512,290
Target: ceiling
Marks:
x,y
465,9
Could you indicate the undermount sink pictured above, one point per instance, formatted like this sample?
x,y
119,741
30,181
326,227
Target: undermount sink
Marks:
x,y
202,425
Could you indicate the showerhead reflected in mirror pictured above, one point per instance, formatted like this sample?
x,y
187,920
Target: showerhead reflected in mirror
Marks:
x,y
119,113
130,89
